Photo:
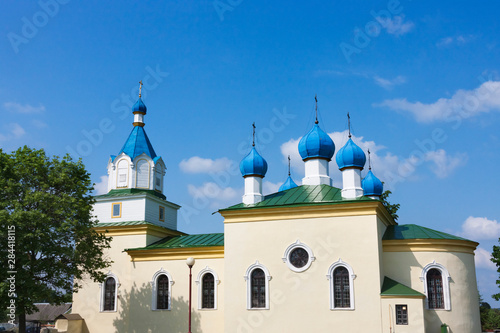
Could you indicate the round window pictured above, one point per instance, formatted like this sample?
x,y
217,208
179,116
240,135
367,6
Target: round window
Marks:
x,y
299,257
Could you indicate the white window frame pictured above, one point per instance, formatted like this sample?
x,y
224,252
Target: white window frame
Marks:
x,y
137,172
199,282
154,284
289,250
248,279
352,276
127,170
446,284
102,286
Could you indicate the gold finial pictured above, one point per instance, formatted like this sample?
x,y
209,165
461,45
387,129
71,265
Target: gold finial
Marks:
x,y
140,88
316,101
253,134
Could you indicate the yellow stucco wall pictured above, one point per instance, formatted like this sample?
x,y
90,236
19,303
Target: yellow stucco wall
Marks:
x,y
415,315
134,304
299,302
464,314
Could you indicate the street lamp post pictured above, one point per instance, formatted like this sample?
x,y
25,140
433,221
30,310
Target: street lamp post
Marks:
x,y
190,262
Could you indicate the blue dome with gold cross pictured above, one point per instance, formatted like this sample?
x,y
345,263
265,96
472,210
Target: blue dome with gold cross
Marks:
x,y
316,144
139,106
350,156
253,164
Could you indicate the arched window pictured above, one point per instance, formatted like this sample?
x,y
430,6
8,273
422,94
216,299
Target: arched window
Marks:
x,y
142,174
341,278
436,286
162,290
207,282
341,288
109,290
208,291
122,173
257,278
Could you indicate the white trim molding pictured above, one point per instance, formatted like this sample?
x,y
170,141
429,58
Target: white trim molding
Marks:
x,y
290,249
248,279
102,286
352,276
446,284
199,282
154,285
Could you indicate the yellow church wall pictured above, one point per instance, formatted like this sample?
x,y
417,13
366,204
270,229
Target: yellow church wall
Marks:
x,y
415,315
300,302
464,314
134,303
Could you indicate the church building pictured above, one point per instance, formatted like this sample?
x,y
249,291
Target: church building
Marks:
x,y
308,258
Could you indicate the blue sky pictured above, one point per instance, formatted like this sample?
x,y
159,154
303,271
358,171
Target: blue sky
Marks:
x,y
420,81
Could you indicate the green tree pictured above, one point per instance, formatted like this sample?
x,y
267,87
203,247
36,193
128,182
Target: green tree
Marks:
x,y
495,257
391,208
47,242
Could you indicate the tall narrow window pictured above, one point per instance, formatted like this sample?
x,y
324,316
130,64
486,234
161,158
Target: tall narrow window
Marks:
x,y
122,174
116,210
341,279
109,294
435,289
161,216
208,291
401,314
142,174
258,288
162,292
341,288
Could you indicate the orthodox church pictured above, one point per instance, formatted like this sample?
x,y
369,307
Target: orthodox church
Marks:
x,y
309,258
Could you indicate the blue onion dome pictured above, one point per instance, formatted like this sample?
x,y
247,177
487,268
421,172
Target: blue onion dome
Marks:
x,y
316,144
288,184
372,185
139,106
253,164
351,156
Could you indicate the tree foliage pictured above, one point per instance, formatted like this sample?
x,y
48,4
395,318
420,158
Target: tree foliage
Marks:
x,y
47,203
391,208
495,257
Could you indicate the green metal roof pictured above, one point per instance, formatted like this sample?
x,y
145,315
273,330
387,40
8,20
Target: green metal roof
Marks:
x,y
304,195
394,288
186,241
413,231
129,192
119,224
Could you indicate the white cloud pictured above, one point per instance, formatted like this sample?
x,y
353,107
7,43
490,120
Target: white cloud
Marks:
x,y
477,228
457,40
463,104
443,163
482,259
17,130
212,191
269,187
198,164
388,84
102,186
20,108
389,168
396,25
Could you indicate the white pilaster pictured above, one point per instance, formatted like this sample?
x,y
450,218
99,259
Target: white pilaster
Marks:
x,y
253,190
351,183
316,172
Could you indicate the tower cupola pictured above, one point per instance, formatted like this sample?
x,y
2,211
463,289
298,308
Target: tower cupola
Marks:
x,y
253,169
372,186
289,183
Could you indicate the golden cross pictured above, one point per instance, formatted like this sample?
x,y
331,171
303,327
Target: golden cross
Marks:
x,y
140,88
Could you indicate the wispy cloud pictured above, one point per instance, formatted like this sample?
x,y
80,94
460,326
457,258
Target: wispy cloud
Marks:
x,y
213,193
102,186
455,40
25,109
396,25
198,164
480,228
12,131
444,164
463,104
388,84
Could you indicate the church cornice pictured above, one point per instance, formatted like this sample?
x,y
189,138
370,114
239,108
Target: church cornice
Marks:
x,y
429,245
206,252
